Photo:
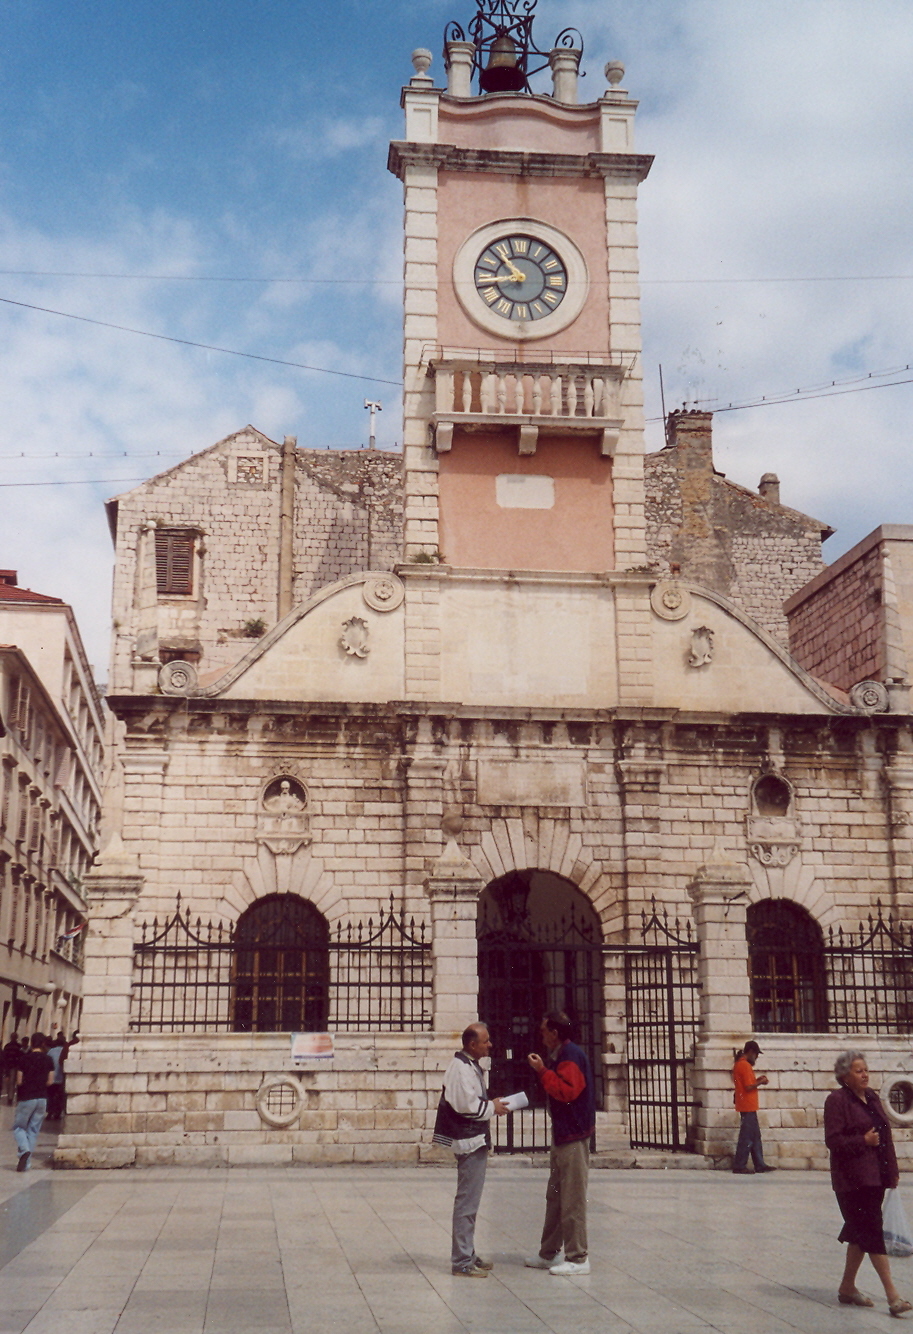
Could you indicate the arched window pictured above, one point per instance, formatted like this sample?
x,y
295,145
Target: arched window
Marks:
x,y
786,963
282,967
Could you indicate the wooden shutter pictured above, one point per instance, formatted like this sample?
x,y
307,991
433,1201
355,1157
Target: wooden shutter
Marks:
x,y
174,561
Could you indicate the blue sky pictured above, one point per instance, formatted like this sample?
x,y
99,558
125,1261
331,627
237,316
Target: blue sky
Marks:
x,y
198,140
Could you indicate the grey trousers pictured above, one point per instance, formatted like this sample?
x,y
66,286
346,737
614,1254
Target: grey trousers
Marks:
x,y
565,1202
470,1181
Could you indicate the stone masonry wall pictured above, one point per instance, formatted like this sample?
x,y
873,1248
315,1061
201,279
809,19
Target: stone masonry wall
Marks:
x,y
659,800
836,629
801,1073
747,546
348,508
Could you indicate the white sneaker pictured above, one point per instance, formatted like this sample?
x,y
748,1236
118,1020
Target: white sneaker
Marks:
x,y
568,1267
537,1262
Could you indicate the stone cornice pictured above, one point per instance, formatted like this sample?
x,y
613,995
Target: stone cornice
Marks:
x,y
508,162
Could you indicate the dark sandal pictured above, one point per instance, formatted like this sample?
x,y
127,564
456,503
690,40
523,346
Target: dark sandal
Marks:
x,y
900,1307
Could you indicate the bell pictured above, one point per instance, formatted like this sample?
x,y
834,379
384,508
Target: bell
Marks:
x,y
502,74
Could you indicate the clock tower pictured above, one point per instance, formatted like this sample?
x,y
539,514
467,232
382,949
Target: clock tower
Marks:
x,y
523,407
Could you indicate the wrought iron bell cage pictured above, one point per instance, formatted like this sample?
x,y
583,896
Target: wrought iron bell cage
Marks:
x,y
505,50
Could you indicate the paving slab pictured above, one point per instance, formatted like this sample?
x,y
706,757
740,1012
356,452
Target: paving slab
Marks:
x,y
357,1250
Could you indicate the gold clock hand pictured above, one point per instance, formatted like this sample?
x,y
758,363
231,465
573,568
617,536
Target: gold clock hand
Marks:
x,y
516,277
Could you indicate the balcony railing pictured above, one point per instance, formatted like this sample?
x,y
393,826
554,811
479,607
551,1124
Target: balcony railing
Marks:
x,y
475,392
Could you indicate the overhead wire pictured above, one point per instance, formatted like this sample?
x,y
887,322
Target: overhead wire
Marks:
x,y
188,342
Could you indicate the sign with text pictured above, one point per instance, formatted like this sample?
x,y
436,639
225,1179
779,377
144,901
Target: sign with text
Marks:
x,y
307,1047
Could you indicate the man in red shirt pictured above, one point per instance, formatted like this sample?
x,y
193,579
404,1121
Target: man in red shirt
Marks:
x,y
745,1098
568,1080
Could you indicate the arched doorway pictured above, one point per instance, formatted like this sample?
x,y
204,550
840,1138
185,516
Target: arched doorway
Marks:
x,y
786,965
539,949
281,967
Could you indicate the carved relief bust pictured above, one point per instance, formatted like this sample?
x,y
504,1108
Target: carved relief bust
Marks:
x,y
283,824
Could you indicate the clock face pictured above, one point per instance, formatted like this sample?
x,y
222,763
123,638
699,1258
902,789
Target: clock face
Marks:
x,y
519,277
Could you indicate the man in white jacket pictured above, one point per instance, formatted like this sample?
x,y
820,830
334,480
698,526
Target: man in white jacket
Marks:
x,y
462,1124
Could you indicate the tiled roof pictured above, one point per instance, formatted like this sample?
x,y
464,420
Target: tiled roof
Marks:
x,y
12,593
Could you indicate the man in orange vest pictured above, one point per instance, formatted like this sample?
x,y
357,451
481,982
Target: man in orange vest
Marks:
x,y
745,1098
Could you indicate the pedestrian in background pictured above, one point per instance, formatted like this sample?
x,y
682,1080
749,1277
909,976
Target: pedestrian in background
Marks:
x,y
463,1114
36,1071
9,1066
57,1052
863,1167
745,1098
566,1077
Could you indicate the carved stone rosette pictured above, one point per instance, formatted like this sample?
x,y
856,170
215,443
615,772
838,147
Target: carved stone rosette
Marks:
x,y
870,696
383,592
177,678
670,600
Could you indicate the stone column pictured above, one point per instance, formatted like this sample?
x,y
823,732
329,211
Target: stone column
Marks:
x,y
564,62
719,892
453,888
459,68
898,779
112,890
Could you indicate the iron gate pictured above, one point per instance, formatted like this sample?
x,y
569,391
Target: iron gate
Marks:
x,y
523,973
662,1005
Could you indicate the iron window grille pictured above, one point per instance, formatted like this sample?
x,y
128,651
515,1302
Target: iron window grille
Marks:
x,y
191,976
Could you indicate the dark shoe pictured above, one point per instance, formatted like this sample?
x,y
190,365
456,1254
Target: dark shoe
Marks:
x,y
741,1172
765,1168
23,1163
480,1262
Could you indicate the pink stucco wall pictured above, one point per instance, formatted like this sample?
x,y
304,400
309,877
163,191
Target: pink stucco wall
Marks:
x,y
468,200
476,532
520,122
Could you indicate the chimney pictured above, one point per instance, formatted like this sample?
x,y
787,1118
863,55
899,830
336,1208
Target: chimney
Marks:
x,y
9,578
769,488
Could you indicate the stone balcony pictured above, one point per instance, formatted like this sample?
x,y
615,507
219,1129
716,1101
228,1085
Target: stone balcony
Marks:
x,y
479,390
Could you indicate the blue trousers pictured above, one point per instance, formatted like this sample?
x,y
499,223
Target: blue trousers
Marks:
x,y
749,1142
27,1123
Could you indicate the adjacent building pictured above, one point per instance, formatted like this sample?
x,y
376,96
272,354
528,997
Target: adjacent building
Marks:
x,y
51,758
505,723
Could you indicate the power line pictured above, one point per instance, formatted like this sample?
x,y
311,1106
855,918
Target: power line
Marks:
x,y
829,389
397,282
76,482
187,342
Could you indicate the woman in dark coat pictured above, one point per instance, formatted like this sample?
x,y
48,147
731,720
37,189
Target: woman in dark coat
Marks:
x,y
863,1167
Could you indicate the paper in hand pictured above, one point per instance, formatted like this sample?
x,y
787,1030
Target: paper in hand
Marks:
x,y
516,1102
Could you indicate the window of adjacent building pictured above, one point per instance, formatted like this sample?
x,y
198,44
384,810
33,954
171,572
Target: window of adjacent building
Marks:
x,y
23,810
6,794
174,561
14,910
786,964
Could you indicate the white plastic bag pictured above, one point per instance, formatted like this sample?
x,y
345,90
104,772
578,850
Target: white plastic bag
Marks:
x,y
898,1240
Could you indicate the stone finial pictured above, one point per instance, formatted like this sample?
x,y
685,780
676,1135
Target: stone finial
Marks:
x,y
421,61
769,488
614,72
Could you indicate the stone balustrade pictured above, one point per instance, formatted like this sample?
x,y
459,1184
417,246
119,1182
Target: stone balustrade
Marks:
x,y
474,393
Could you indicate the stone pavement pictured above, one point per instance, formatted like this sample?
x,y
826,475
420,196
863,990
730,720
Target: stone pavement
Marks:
x,y
350,1250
